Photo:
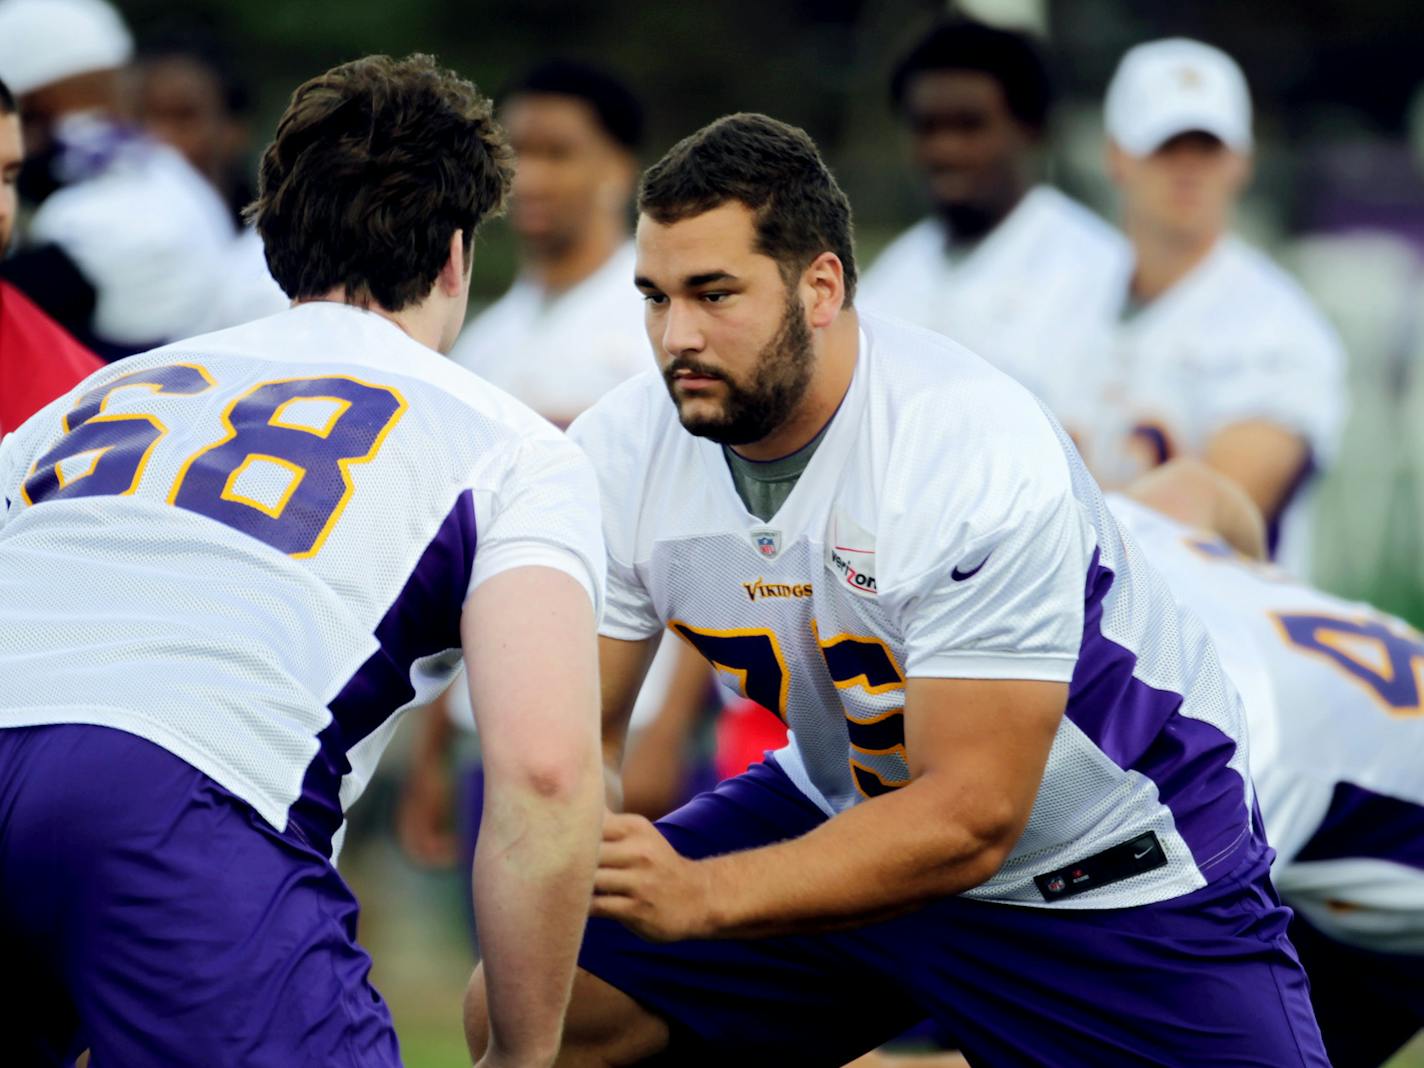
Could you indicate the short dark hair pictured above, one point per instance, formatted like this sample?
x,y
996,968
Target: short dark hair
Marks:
x,y
375,162
7,99
618,110
772,168
198,45
1012,59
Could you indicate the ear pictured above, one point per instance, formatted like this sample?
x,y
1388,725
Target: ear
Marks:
x,y
454,277
1115,160
825,277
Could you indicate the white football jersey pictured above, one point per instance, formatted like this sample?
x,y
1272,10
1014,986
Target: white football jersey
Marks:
x,y
146,229
560,353
252,548
1037,287
1333,699
1235,340
945,527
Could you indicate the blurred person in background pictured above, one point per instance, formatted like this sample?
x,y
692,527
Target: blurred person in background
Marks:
x,y
1005,264
229,565
571,326
569,329
188,94
1215,352
126,241
38,358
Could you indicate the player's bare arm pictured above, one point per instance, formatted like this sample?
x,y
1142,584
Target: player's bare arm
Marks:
x,y
1203,498
1263,458
529,636
977,752
622,666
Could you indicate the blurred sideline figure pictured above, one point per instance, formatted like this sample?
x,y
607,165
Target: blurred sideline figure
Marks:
x,y
1004,264
126,241
568,330
188,95
1034,810
38,358
571,326
1217,353
227,566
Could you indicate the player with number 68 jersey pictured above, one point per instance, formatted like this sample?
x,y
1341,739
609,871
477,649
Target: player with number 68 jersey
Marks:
x,y
229,565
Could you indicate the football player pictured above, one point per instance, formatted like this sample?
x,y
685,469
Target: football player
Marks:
x,y
1332,695
1015,796
1216,353
1005,264
229,564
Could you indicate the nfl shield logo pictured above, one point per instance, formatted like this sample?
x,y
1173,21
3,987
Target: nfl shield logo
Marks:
x,y
767,542
1056,884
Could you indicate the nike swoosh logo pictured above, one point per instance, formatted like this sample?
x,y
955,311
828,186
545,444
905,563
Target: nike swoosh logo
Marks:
x,y
1138,856
960,576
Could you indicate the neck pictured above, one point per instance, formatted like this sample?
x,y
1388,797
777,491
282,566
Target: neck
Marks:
x,y
420,322
570,266
835,366
1162,260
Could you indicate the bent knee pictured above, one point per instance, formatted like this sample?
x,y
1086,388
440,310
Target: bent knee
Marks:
x,y
605,1028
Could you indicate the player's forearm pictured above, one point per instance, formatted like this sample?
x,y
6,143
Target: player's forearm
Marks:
x,y
533,876
877,859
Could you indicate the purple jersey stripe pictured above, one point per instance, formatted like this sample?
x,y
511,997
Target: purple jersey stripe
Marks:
x,y
1142,729
1298,482
1363,824
423,620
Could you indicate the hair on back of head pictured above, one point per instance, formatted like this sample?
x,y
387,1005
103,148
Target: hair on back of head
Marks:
x,y
614,105
772,168
7,99
1012,59
374,165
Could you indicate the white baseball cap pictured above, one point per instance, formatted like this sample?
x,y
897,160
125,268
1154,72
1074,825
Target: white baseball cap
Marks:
x,y
46,41
1174,86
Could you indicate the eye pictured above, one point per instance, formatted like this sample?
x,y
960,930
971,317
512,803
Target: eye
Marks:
x,y
657,300
715,297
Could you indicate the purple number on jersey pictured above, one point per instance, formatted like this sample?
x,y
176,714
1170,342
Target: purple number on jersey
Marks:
x,y
1382,659
117,445
314,458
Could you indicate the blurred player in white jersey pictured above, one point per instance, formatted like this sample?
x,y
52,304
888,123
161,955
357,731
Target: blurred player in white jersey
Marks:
x,y
229,564
1005,264
570,328
1015,796
1332,695
1217,354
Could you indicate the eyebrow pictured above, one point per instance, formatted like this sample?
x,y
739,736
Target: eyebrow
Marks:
x,y
692,281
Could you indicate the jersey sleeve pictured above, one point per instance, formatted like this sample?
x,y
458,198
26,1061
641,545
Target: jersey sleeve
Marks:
x,y
619,461
1289,371
986,557
545,514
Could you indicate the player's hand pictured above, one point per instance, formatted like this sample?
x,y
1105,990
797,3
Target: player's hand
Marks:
x,y
647,885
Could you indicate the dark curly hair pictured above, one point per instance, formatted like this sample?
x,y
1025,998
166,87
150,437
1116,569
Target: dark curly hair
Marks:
x,y
1012,59
374,164
772,168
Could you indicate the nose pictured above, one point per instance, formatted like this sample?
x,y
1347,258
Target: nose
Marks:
x,y
682,329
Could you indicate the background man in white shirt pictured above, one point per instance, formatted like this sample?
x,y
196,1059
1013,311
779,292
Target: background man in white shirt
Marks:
x,y
1004,264
1218,353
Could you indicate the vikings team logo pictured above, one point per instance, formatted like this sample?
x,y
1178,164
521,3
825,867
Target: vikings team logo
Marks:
x,y
767,542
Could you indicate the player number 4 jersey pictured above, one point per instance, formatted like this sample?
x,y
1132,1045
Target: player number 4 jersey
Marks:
x,y
944,528
253,548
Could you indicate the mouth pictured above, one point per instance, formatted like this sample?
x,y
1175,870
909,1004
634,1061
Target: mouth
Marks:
x,y
694,381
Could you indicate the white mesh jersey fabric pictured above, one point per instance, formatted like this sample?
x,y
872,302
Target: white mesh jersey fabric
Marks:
x,y
1042,282
944,528
1235,340
1314,721
131,612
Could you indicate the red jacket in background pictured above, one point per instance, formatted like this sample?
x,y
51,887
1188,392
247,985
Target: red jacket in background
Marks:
x,y
38,360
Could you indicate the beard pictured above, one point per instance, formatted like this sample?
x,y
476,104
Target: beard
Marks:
x,y
755,409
